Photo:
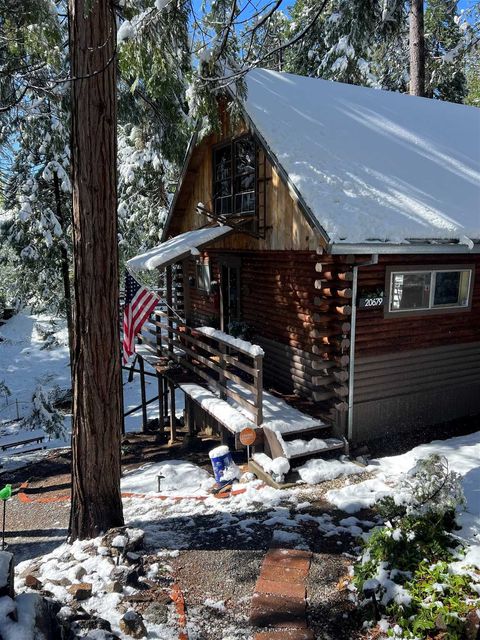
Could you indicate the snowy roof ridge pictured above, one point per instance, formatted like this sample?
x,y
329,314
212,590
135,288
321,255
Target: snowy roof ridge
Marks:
x,y
370,163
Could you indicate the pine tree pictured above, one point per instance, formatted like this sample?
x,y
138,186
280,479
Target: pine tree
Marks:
x,y
306,56
268,37
473,78
445,77
97,418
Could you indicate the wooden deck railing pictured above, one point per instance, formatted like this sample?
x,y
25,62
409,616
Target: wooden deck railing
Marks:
x,y
234,372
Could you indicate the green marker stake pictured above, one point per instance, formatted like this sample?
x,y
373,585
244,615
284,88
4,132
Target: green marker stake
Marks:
x,y
5,494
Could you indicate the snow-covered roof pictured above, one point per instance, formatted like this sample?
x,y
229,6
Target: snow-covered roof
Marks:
x,y
372,165
177,248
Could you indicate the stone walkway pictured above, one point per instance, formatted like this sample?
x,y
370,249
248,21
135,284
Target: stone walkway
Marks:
x,y
279,601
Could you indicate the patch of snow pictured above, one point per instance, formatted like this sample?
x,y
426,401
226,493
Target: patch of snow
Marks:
x,y
177,247
126,32
264,461
180,478
319,470
463,455
241,345
299,447
280,466
25,606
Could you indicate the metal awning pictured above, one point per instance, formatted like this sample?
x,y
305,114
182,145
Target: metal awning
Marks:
x,y
177,248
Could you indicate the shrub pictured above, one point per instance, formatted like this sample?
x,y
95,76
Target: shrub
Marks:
x,y
405,563
44,415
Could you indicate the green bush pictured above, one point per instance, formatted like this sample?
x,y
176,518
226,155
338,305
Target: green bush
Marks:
x,y
405,563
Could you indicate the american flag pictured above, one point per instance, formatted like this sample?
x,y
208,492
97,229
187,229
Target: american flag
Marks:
x,y
139,304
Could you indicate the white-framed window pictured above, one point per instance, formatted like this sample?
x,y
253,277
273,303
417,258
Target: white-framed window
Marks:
x,y
425,290
203,276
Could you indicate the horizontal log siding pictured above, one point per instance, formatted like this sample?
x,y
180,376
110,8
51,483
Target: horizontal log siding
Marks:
x,y
415,370
376,334
204,308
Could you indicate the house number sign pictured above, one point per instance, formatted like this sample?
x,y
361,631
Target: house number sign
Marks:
x,y
371,303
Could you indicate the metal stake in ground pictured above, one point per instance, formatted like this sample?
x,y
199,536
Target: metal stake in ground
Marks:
x,y
5,494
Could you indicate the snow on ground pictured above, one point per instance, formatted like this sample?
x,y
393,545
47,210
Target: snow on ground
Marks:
x,y
463,455
25,364
179,478
319,470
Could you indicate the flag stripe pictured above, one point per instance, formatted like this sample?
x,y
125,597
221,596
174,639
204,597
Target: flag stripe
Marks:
x,y
139,304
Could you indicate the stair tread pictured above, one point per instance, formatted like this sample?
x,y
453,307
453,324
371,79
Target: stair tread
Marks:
x,y
301,447
299,431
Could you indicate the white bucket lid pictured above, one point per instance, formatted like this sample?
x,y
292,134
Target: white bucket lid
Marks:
x,y
219,451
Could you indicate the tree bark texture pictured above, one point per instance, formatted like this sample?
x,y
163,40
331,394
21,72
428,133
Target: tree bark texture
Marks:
x,y
417,49
97,417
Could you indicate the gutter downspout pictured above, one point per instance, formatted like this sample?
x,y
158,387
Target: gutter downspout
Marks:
x,y
353,328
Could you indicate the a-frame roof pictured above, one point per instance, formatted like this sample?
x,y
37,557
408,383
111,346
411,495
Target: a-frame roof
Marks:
x,y
371,167
371,164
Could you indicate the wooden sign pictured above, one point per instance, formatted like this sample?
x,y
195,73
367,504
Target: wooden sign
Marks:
x,y
371,302
248,436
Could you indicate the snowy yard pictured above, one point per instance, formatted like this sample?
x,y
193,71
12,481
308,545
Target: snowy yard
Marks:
x,y
28,362
224,539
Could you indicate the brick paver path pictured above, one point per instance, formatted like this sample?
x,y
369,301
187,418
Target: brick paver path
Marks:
x,y
279,600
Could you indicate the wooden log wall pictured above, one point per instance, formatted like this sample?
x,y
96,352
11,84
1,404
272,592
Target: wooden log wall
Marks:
x,y
378,335
298,305
204,308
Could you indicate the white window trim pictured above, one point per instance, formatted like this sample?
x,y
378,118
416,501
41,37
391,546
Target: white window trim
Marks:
x,y
432,308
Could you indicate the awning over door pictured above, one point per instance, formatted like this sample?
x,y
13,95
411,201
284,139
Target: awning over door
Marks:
x,y
178,248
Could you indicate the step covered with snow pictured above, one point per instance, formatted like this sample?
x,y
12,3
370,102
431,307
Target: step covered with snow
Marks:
x,y
277,414
279,445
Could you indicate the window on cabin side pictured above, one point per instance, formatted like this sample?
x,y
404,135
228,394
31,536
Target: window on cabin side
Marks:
x,y
234,178
428,290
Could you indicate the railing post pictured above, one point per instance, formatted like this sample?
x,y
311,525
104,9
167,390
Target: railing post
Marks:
x,y
158,330
161,413
173,423
258,365
143,393
222,380
169,307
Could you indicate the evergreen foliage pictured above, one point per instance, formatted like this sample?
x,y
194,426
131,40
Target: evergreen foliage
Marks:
x,y
445,74
404,568
44,415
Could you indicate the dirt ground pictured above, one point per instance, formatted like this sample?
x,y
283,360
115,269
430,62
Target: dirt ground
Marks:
x,y
219,573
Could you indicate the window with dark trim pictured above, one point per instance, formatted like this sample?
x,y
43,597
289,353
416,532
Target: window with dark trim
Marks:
x,y
235,178
426,290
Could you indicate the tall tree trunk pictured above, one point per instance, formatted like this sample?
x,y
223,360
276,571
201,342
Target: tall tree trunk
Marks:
x,y
96,500
65,265
417,49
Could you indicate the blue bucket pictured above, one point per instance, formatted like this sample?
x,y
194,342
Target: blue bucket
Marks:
x,y
221,459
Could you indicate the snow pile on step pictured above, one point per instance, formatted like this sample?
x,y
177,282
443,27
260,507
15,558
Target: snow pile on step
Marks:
x,y
180,478
300,447
236,418
319,470
280,466
264,461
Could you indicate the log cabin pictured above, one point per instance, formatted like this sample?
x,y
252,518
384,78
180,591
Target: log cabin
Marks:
x,y
323,252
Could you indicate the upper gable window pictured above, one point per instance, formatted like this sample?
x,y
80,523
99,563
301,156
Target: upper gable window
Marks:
x,y
234,178
422,290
